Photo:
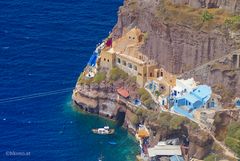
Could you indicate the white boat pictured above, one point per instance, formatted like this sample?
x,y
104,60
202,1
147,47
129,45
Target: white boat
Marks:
x,y
101,158
103,131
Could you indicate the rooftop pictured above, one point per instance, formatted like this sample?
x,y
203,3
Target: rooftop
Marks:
x,y
123,92
203,92
164,150
182,84
176,158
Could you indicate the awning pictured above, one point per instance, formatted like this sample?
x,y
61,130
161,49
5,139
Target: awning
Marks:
x,y
143,133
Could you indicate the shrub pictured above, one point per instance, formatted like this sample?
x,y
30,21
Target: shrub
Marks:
x,y
233,144
145,97
176,122
233,22
233,128
210,157
193,125
164,120
133,119
157,93
133,79
233,139
206,16
83,80
116,73
99,77
148,102
80,78
142,91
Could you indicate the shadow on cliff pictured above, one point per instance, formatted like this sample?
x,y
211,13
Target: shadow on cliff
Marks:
x,y
120,117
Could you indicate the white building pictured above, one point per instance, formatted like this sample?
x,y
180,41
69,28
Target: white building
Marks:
x,y
183,87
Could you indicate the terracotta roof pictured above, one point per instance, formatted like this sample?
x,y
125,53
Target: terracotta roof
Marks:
x,y
123,92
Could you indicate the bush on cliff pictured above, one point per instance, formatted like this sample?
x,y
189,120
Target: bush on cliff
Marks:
x,y
177,122
145,97
233,22
99,77
116,73
133,119
206,16
211,157
233,137
83,80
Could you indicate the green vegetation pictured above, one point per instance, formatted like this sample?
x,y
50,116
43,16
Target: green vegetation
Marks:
x,y
205,19
233,22
145,36
145,97
83,80
165,120
117,73
132,79
133,118
99,77
174,122
80,78
177,122
233,137
211,157
206,16
157,93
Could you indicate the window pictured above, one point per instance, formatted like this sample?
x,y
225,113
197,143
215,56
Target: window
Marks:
x,y
129,37
124,63
129,65
135,67
104,59
140,74
119,60
108,60
145,75
161,74
150,74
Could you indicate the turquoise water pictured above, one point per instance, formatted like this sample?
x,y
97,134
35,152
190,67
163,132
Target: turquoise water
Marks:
x,y
44,45
125,148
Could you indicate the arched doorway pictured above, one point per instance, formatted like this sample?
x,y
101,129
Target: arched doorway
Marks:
x,y
120,116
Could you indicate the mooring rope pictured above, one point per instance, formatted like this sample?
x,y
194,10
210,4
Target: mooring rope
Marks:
x,y
35,95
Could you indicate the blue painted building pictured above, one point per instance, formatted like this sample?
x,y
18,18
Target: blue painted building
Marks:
x,y
93,59
198,98
237,103
176,158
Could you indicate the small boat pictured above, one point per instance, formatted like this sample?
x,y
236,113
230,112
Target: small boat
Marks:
x,y
101,158
103,131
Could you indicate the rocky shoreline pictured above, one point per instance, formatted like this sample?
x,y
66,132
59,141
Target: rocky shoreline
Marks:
x,y
101,99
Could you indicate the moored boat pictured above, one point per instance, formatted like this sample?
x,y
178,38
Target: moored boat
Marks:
x,y
103,131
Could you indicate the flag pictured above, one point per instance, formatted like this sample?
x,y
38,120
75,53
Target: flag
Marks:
x,y
109,42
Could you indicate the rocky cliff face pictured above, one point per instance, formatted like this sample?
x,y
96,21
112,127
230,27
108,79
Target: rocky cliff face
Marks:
x,y
177,45
230,5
